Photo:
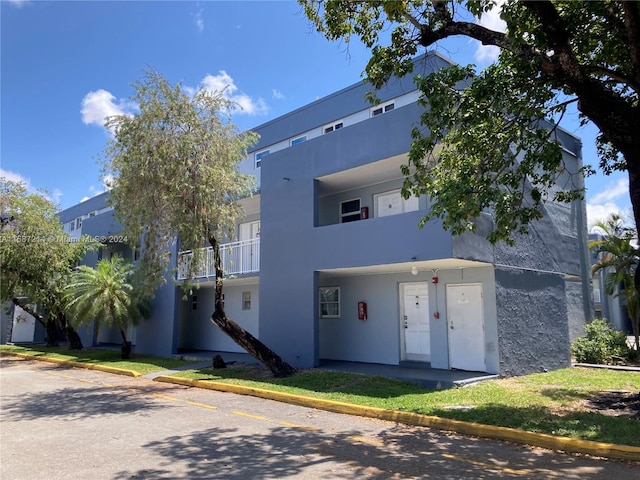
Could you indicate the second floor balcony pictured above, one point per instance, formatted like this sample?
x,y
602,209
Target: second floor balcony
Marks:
x,y
238,258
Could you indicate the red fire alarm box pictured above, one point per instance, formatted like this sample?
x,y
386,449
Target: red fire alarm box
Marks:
x,y
364,213
362,311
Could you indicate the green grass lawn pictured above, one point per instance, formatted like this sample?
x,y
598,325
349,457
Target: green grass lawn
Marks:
x,y
558,402
140,363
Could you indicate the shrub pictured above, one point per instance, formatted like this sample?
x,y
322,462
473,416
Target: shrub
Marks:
x,y
601,344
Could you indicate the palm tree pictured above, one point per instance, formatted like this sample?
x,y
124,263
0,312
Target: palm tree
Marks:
x,y
618,258
107,295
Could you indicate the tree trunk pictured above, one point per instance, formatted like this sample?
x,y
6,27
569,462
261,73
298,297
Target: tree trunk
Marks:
x,y
52,333
75,343
632,157
248,342
73,339
125,350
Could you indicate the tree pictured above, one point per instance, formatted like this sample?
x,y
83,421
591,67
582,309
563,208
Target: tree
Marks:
x,y
618,258
175,165
36,258
107,295
553,54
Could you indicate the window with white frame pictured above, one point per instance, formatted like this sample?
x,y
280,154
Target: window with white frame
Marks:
x,y
298,140
329,300
350,210
78,223
333,127
246,300
384,108
72,226
259,156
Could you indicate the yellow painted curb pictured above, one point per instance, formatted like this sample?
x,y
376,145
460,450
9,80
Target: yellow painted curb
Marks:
x,y
71,363
609,450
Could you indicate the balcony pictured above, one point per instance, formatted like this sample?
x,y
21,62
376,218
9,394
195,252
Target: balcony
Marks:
x,y
238,258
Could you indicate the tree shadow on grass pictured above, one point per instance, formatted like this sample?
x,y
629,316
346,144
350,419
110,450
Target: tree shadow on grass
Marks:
x,y
319,381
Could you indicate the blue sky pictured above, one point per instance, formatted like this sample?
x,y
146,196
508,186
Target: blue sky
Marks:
x,y
66,65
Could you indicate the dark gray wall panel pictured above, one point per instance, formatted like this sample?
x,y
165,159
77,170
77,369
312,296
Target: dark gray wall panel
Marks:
x,y
532,321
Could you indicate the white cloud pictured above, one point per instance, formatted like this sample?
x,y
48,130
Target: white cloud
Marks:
x,y
99,105
486,53
107,181
614,198
54,195
224,84
19,3
107,184
617,190
492,21
277,94
199,20
15,177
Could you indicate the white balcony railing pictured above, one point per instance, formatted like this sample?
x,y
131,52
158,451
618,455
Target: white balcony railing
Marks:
x,y
237,258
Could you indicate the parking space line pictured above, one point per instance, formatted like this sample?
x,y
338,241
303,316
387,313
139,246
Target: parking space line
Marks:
x,y
203,405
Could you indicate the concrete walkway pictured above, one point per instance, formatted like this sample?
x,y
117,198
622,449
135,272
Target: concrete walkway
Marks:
x,y
191,366
413,372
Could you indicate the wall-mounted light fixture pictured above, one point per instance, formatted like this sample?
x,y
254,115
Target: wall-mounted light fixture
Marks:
x,y
414,270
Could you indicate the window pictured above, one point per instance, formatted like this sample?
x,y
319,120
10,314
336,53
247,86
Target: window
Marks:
x,y
78,223
330,302
380,109
350,210
332,127
298,140
72,226
259,156
595,282
92,214
246,300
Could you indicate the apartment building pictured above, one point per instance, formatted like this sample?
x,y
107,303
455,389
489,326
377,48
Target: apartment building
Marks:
x,y
329,261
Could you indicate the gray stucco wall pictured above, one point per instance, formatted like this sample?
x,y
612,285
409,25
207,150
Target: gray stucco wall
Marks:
x,y
378,339
341,104
196,331
158,334
532,321
555,250
292,248
84,208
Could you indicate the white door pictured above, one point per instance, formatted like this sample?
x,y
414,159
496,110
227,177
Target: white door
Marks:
x,y
414,321
389,204
466,327
250,256
392,203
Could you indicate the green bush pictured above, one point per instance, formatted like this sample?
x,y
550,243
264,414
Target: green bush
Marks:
x,y
601,344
